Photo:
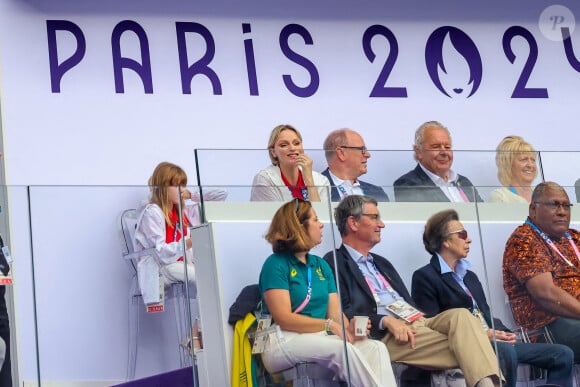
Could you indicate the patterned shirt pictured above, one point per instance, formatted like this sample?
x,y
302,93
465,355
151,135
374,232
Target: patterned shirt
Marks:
x,y
528,255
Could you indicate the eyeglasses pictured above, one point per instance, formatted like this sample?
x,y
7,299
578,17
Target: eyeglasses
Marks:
x,y
462,234
375,217
362,149
553,206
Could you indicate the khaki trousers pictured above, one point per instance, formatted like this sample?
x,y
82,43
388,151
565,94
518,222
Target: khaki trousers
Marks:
x,y
451,339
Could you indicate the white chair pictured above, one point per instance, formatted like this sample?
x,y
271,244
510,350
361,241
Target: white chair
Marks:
x,y
576,369
526,373
305,374
127,223
452,377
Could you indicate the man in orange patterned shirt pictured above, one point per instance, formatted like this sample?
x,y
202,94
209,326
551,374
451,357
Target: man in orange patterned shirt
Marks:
x,y
541,268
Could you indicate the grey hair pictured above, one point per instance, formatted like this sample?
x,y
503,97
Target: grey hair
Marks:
x,y
352,205
335,139
541,189
420,133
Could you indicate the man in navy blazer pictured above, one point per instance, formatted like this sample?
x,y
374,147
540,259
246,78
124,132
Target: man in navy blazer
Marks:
x,y
370,286
433,180
347,155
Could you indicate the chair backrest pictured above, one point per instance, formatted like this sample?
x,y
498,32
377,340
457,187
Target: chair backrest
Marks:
x,y
127,227
530,335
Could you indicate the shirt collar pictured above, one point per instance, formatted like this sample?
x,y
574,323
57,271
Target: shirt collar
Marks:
x,y
338,181
437,179
444,266
460,268
356,256
296,261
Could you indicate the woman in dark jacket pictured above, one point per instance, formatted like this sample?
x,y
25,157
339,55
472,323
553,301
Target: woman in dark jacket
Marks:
x,y
446,282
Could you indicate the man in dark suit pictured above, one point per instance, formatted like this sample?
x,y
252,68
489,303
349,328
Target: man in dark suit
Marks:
x,y
433,180
370,286
347,157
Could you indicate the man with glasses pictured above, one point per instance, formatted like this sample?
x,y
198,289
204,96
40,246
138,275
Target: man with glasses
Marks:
x,y
433,180
347,157
541,268
370,286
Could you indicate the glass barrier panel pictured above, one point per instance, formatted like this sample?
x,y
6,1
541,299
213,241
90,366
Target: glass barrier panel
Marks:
x,y
92,323
378,167
233,251
237,229
497,222
559,167
479,188
75,288
236,168
22,358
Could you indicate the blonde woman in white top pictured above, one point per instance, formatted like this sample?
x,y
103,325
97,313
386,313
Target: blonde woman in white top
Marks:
x,y
290,176
516,171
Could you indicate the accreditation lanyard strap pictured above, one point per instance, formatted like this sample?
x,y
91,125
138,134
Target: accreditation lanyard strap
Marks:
x,y
475,307
461,192
355,189
308,293
553,246
385,283
342,191
298,191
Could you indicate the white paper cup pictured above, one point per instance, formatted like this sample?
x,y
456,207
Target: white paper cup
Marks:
x,y
360,325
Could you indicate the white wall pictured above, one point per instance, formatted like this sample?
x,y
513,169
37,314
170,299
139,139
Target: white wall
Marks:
x,y
57,138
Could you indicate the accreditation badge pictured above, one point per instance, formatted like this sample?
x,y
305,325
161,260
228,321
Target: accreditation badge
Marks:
x,y
405,311
261,334
477,313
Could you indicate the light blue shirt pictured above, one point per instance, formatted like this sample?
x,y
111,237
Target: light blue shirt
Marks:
x,y
461,268
368,269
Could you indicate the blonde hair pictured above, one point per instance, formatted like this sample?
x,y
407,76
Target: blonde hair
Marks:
x,y
507,149
165,175
274,137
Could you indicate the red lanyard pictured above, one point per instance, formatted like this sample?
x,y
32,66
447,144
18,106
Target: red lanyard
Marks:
x,y
298,191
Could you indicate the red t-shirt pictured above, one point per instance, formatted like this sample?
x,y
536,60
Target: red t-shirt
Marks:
x,y
172,233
